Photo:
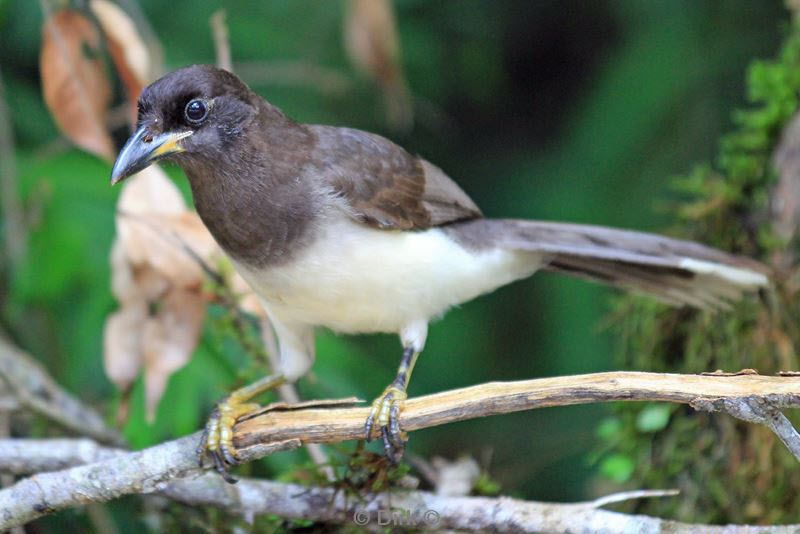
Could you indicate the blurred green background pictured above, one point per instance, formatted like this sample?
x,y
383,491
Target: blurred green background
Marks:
x,y
564,110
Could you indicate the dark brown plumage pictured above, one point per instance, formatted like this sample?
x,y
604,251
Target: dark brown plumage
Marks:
x,y
245,180
342,228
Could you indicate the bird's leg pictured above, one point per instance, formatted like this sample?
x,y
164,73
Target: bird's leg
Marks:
x,y
217,438
385,413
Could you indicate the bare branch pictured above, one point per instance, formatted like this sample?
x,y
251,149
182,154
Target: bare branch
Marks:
x,y
110,476
36,390
149,36
222,44
294,73
631,495
785,195
6,479
757,410
14,235
280,426
27,456
734,393
143,471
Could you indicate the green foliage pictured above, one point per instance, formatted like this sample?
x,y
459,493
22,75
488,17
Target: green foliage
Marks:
x,y
617,467
743,467
653,418
538,110
486,486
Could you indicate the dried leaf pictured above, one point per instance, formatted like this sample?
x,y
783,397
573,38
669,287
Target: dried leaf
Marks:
x,y
74,81
122,356
168,340
156,266
156,229
371,41
150,191
123,284
151,285
169,244
128,51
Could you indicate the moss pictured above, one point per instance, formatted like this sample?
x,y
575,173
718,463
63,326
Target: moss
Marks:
x,y
727,471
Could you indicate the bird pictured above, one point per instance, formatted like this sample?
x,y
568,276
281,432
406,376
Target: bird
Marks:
x,y
341,228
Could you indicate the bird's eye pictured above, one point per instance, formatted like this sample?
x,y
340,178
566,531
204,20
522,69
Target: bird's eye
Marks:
x,y
196,111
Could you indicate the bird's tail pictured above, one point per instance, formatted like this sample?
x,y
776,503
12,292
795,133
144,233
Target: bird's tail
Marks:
x,y
675,271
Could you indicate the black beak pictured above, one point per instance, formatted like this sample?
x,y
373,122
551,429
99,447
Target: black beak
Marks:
x,y
142,149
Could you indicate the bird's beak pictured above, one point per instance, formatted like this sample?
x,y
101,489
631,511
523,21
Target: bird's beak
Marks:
x,y
142,149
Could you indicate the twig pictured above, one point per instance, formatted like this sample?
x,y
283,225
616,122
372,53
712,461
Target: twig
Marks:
x,y
250,497
9,191
785,194
631,495
7,479
37,391
732,393
149,36
222,44
27,456
756,410
294,73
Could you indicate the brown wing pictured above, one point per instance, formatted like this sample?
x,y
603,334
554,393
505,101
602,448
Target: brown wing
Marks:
x,y
384,185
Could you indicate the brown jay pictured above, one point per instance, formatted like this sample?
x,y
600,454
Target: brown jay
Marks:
x,y
341,228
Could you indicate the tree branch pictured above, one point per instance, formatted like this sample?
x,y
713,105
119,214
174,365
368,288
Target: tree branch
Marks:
x,y
30,384
732,393
280,426
255,497
222,45
14,235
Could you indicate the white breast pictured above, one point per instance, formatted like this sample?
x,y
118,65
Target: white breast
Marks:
x,y
355,278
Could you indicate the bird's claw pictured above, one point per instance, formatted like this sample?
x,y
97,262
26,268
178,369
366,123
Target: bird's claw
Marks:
x,y
385,415
217,438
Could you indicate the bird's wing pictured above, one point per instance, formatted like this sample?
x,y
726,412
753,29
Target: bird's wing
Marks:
x,y
676,271
384,185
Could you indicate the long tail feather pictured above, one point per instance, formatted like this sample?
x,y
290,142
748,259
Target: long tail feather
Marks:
x,y
675,271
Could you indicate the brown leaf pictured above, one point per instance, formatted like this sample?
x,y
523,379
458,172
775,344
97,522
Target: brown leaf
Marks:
x,y
150,191
157,230
123,284
159,282
168,340
74,81
128,51
122,354
371,41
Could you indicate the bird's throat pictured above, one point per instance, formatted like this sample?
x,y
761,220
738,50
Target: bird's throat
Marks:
x,y
259,218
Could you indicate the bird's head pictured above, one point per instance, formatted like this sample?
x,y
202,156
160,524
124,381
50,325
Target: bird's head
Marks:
x,y
194,112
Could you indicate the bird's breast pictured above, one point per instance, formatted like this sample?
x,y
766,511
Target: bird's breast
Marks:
x,y
354,278
256,223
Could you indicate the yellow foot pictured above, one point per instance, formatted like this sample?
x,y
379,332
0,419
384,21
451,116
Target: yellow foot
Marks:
x,y
217,438
385,415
